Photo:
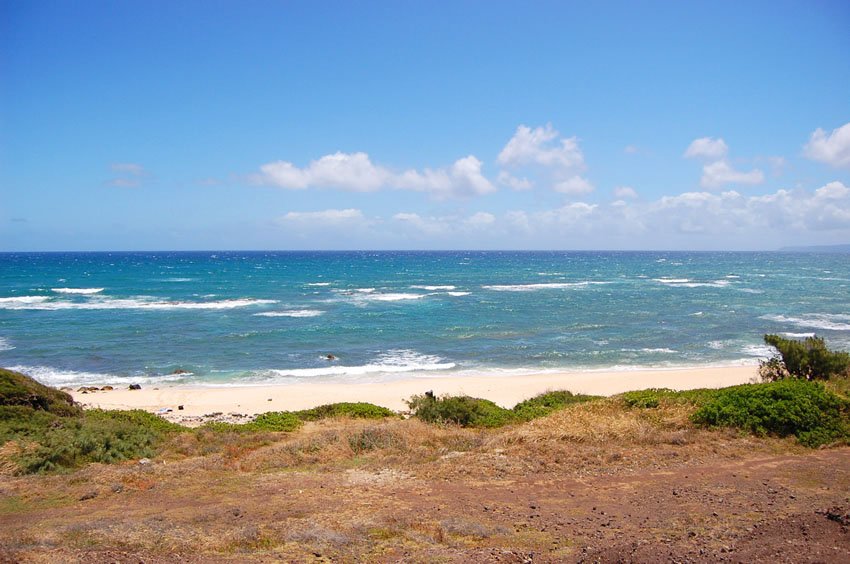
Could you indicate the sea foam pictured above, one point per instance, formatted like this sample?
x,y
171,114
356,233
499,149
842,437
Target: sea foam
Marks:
x,y
77,290
536,287
292,313
830,322
46,304
391,362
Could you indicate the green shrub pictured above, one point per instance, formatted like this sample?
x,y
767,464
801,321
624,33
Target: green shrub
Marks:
x,y
358,410
275,421
796,407
809,359
460,410
53,443
53,433
654,397
549,402
18,389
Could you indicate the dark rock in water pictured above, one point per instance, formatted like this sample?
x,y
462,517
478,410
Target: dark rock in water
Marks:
x,y
181,371
107,389
91,495
330,357
135,387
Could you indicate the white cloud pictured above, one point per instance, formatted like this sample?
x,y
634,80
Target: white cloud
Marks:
x,y
356,172
574,186
331,216
480,219
720,173
631,149
347,171
427,225
128,168
538,146
130,175
707,147
507,179
622,192
833,149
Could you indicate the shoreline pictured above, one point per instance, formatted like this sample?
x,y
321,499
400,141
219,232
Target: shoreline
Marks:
x,y
198,401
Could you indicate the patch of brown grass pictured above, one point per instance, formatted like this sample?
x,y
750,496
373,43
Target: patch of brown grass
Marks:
x,y
607,422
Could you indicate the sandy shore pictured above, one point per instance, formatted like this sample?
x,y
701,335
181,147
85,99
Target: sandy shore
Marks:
x,y
504,390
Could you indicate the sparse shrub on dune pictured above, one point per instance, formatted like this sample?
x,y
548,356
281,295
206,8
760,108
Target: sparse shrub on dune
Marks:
x,y
476,412
654,397
792,406
549,402
52,433
460,410
359,410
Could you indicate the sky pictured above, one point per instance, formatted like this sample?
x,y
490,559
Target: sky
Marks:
x,y
254,125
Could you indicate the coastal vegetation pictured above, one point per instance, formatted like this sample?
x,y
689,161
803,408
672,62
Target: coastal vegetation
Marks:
x,y
808,358
461,475
43,430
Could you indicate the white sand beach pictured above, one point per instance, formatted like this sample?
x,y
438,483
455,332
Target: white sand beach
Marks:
x,y
504,390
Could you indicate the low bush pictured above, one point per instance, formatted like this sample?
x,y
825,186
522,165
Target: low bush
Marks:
x,y
653,397
48,442
460,410
358,410
275,421
809,359
549,402
18,389
796,407
52,432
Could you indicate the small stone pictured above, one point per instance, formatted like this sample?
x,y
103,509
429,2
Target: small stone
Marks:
x,y
180,407
135,387
144,461
107,388
90,495
117,488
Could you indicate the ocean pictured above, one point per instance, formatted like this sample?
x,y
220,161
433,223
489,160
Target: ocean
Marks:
x,y
228,318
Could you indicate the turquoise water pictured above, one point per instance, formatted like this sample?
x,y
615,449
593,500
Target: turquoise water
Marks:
x,y
259,317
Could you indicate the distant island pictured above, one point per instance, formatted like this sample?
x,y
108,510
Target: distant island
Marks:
x,y
817,249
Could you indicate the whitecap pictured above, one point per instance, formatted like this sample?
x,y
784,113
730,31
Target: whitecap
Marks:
x,y
830,322
395,297
687,283
292,313
318,283
535,287
393,361
22,302
758,350
5,345
60,377
797,335
433,288
77,290
98,303
458,294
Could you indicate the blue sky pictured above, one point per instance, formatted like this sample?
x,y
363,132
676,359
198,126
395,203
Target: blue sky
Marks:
x,y
423,125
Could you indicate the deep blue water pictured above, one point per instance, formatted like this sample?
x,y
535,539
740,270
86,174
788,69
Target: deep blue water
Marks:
x,y
230,317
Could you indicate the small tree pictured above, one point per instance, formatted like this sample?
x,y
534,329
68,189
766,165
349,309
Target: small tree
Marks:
x,y
808,359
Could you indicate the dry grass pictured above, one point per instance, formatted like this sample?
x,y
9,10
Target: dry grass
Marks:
x,y
606,422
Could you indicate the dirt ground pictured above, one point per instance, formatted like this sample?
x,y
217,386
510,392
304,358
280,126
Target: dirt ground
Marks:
x,y
712,497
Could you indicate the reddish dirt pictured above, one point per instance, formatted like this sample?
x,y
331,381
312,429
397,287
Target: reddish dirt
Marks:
x,y
762,508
